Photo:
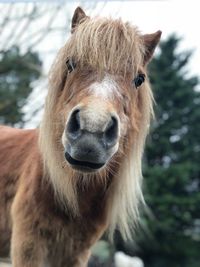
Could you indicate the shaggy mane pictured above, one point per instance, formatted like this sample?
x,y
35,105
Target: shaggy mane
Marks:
x,y
106,45
116,47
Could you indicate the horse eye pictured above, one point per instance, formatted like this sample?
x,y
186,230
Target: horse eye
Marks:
x,y
71,65
139,80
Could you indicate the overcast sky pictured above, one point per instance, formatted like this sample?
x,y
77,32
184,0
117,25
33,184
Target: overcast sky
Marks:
x,y
179,16
171,16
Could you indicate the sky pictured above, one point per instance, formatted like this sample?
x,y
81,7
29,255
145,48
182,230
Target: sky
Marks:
x,y
170,16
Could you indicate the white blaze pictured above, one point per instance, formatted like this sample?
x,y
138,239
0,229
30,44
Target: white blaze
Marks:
x,y
107,88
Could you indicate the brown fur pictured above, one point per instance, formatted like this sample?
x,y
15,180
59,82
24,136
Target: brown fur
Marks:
x,y
51,213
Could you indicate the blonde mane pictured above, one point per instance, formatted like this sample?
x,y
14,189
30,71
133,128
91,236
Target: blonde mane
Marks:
x,y
115,47
106,45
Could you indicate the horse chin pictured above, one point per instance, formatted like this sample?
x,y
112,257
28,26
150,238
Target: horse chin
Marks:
x,y
83,166
82,169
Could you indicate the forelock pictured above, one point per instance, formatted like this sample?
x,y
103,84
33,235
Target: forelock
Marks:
x,y
106,45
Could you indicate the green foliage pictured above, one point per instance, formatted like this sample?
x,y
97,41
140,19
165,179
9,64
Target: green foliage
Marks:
x,y
170,232
102,250
172,169
17,74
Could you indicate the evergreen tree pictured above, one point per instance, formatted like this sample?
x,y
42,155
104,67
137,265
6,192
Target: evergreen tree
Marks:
x,y
172,169
17,74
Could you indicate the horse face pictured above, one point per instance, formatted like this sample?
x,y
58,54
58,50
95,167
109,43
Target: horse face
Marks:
x,y
94,124
102,108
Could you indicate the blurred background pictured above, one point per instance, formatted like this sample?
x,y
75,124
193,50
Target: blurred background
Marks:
x,y
31,34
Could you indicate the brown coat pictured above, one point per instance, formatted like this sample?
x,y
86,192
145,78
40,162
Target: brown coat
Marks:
x,y
40,227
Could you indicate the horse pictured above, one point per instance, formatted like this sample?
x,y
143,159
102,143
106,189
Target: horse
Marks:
x,y
77,176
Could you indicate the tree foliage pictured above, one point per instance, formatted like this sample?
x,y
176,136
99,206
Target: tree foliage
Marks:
x,y
172,169
17,74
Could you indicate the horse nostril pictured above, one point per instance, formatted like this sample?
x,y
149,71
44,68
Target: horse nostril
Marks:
x,y
111,132
73,125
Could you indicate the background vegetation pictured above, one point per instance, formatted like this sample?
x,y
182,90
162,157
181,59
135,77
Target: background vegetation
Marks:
x,y
17,74
171,229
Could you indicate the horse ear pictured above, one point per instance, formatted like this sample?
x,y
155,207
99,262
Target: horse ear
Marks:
x,y
150,42
79,14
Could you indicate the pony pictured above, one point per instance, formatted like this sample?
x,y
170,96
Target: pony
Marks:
x,y
79,175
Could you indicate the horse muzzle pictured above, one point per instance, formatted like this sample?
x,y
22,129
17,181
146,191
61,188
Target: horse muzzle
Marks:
x,y
88,151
